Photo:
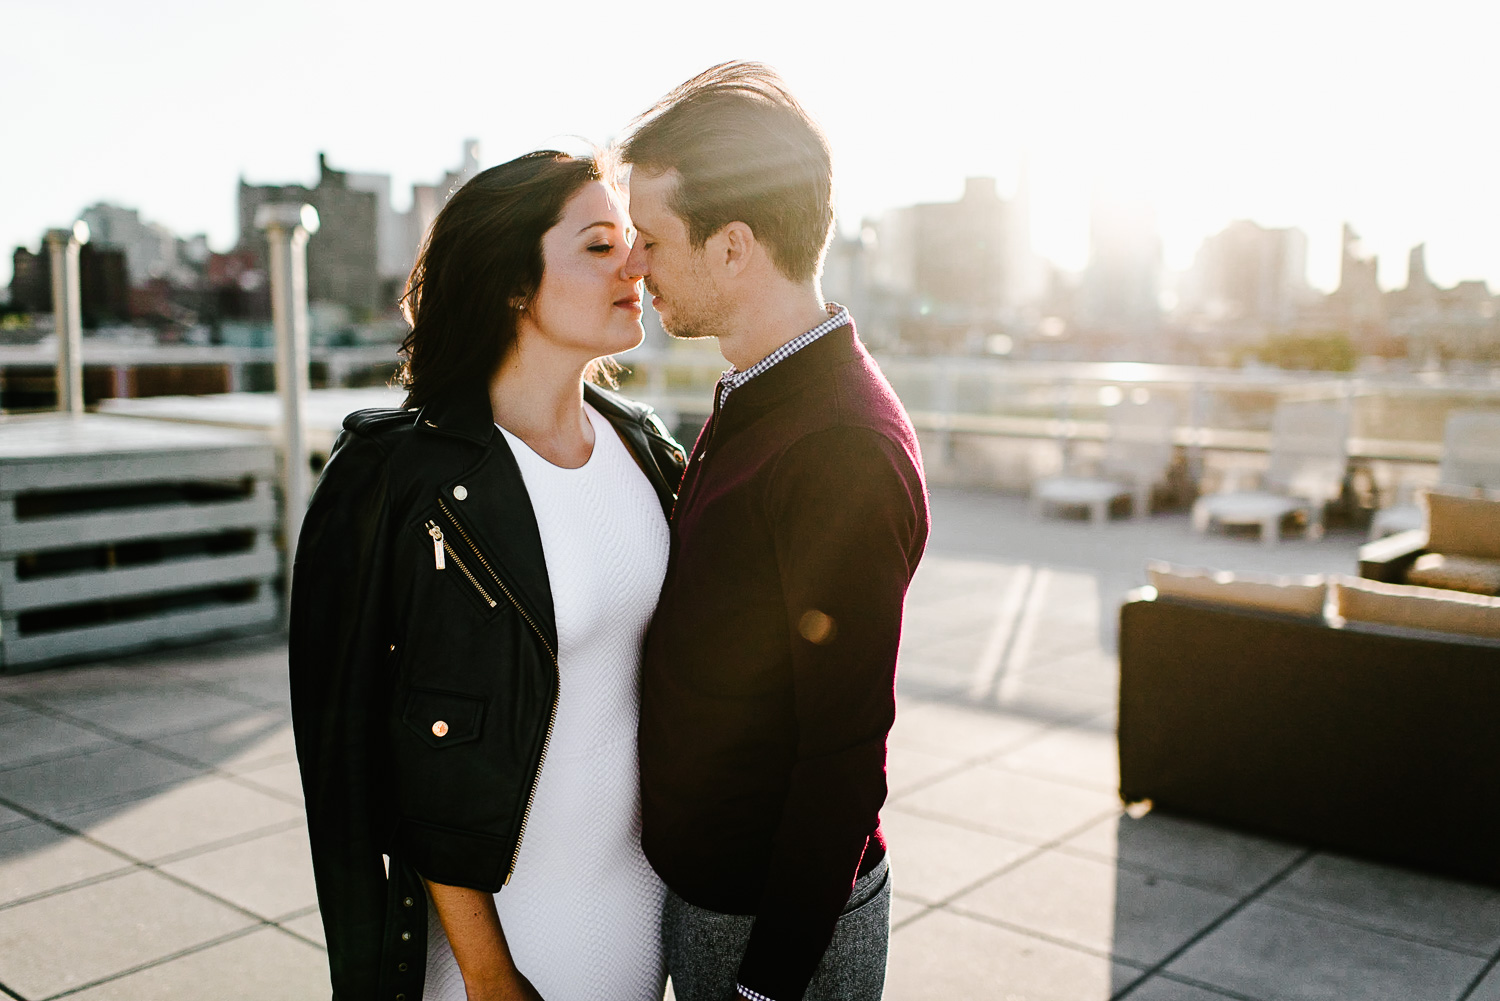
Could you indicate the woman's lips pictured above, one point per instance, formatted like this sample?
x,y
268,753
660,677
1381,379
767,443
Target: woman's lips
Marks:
x,y
633,303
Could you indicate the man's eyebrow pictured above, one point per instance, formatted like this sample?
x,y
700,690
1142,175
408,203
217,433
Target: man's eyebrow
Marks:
x,y
642,230
594,225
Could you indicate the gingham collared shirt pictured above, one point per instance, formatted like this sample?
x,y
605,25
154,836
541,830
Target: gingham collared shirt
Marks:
x,y
733,379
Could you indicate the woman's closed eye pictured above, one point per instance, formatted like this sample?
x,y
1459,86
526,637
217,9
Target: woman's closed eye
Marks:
x,y
601,248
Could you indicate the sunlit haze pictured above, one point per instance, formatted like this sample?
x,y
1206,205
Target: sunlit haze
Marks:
x,y
1291,114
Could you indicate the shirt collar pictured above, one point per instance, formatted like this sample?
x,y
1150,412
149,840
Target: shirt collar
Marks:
x,y
733,379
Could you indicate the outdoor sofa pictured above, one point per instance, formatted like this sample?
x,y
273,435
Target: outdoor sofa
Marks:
x,y
1321,712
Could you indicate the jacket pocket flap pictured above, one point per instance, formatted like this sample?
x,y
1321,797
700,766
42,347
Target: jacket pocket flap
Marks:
x,y
443,719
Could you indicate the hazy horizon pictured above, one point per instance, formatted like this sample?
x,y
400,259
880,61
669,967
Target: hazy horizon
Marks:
x,y
1303,115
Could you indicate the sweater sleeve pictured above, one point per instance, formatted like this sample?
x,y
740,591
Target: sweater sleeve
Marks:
x,y
849,520
337,655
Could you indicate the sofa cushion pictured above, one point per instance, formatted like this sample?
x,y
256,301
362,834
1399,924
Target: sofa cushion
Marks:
x,y
1473,574
1406,606
1302,596
1463,524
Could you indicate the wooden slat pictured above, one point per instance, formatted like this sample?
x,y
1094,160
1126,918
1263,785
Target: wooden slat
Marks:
x,y
261,562
177,466
120,637
126,524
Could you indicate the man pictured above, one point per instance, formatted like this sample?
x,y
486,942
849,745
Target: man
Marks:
x,y
768,681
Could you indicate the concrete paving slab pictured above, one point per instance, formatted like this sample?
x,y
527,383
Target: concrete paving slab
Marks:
x,y
309,926
35,858
83,681
29,737
1088,757
283,778
932,860
1273,953
1010,804
10,819
1460,916
267,963
1133,917
270,875
942,956
258,738
1030,696
262,678
1488,989
201,812
907,768
1211,857
149,714
1165,989
80,936
958,732
903,909
114,774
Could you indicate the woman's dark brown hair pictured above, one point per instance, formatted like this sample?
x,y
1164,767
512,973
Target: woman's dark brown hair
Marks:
x,y
479,266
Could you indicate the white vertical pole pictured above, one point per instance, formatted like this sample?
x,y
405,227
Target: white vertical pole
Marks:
x,y
67,313
287,228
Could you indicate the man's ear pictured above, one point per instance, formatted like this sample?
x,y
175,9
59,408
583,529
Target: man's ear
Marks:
x,y
738,247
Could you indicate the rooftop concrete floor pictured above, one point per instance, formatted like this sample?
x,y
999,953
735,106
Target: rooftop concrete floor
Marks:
x,y
152,847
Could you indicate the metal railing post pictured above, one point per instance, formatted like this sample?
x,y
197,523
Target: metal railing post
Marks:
x,y
63,247
287,227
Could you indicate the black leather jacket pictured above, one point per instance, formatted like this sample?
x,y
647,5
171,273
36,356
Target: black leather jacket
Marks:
x,y
423,669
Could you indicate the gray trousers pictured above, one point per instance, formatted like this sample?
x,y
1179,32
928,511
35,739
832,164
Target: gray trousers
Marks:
x,y
703,948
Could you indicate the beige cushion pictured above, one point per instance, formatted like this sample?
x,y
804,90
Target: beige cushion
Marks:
x,y
1409,607
1474,574
1288,595
1464,525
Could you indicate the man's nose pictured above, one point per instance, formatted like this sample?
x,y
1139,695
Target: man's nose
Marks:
x,y
635,263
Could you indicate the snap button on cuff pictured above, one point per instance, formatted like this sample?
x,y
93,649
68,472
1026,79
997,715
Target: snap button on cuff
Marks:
x,y
408,902
440,729
406,936
460,492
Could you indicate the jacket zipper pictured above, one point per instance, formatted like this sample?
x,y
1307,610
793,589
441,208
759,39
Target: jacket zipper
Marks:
x,y
552,715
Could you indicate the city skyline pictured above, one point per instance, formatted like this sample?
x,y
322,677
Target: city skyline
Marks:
x,y
1306,116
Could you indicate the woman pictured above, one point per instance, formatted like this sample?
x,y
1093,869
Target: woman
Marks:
x,y
472,582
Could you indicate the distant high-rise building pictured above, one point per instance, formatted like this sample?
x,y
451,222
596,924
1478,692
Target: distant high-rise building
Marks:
x,y
151,249
393,252
1121,288
1357,303
957,256
428,199
342,260
104,288
1249,278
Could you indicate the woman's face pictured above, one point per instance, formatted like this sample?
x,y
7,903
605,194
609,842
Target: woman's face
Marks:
x,y
587,299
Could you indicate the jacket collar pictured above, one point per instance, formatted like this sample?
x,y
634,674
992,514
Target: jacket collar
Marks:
x,y
463,413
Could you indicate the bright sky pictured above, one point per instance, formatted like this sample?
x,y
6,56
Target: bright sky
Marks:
x,y
1291,113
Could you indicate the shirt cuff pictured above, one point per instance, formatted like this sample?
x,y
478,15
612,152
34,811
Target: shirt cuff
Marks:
x,y
752,995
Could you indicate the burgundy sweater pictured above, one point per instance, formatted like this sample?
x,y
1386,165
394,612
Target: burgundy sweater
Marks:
x,y
768,685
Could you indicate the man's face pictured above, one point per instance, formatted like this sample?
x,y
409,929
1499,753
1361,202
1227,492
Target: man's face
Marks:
x,y
684,292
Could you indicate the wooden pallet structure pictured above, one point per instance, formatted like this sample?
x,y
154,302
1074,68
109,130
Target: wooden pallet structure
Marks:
x,y
119,534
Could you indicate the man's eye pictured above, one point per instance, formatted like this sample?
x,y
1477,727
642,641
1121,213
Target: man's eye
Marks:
x,y
647,245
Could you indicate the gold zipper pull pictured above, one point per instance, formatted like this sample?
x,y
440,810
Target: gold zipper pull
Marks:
x,y
437,545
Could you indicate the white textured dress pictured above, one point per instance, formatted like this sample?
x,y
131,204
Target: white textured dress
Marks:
x,y
582,913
